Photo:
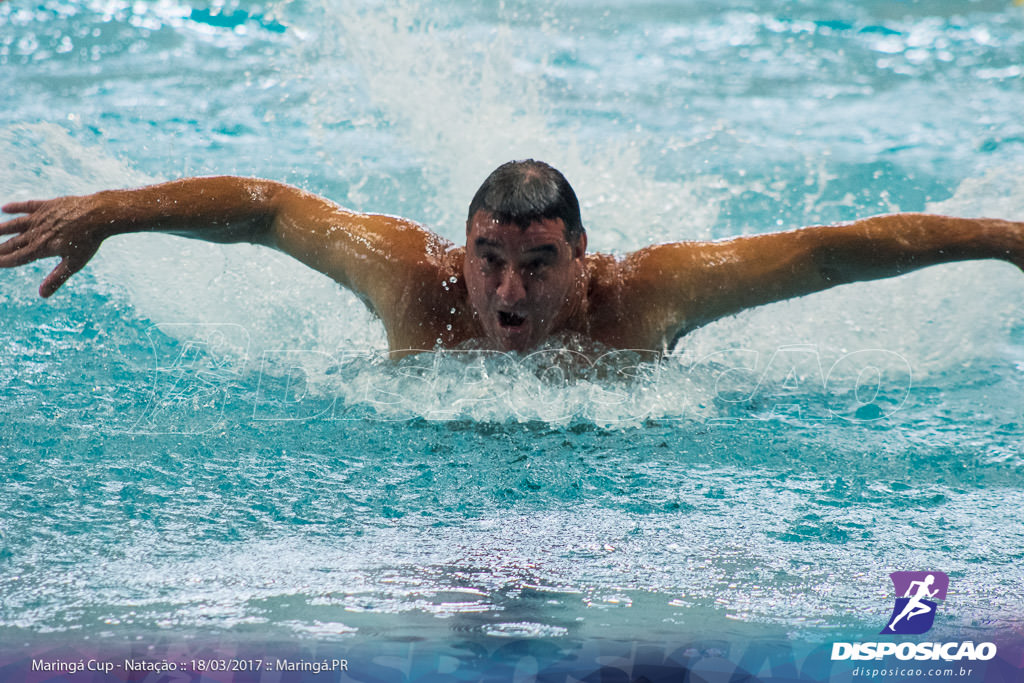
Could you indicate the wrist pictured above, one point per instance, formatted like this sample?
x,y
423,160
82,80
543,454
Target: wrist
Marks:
x,y
1006,239
108,213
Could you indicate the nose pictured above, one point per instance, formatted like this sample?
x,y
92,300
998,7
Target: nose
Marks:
x,y
511,289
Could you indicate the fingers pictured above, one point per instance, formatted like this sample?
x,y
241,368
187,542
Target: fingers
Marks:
x,y
20,258
28,245
68,266
22,249
22,207
57,277
12,226
9,250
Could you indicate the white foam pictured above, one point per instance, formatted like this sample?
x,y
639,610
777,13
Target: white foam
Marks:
x,y
462,100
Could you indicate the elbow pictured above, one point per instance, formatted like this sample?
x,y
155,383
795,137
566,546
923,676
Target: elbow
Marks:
x,y
273,202
833,274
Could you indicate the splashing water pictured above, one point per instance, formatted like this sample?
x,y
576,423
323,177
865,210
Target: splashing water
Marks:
x,y
236,428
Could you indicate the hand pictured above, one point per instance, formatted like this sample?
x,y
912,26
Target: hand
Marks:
x,y
66,227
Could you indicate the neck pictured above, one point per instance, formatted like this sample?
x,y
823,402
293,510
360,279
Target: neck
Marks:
x,y
575,314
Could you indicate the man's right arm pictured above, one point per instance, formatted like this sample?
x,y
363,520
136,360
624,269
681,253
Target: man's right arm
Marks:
x,y
371,254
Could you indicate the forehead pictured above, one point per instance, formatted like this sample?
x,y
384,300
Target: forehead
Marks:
x,y
484,230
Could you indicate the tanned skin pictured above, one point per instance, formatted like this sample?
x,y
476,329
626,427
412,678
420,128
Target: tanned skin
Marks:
x,y
510,287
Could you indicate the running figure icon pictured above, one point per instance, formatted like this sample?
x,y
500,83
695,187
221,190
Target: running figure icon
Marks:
x,y
916,588
915,607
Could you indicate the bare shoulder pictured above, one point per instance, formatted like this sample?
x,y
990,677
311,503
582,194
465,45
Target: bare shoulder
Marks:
x,y
640,300
396,266
429,306
337,240
671,259
615,314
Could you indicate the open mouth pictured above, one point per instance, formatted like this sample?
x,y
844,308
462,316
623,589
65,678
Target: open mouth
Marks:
x,y
506,319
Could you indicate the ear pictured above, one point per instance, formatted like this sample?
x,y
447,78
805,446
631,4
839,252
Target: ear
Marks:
x,y
579,250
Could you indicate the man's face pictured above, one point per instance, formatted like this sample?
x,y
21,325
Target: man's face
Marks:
x,y
522,283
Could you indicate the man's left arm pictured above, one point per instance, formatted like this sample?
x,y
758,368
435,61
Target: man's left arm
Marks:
x,y
688,284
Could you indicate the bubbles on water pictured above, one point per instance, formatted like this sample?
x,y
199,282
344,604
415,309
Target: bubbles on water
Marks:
x,y
655,519
525,629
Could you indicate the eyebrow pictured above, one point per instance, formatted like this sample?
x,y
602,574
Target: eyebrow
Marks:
x,y
542,248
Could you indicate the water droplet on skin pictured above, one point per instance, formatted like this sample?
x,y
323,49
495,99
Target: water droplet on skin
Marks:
x,y
452,310
453,279
449,326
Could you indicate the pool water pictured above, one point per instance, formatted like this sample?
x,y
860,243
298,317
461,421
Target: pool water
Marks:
x,y
205,444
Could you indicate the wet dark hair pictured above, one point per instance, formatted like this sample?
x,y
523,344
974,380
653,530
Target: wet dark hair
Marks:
x,y
522,192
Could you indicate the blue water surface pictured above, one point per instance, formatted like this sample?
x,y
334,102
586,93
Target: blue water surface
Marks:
x,y
204,443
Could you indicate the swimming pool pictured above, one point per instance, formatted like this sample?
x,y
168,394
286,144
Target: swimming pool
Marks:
x,y
205,454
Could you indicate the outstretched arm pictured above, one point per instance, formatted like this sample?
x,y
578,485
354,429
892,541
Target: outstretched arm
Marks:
x,y
690,284
371,254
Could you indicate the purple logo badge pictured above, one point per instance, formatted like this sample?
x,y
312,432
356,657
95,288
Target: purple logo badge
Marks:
x,y
916,593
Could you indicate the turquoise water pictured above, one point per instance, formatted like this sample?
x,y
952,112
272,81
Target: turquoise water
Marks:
x,y
203,443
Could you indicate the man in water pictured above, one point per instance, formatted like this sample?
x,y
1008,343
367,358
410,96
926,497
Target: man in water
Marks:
x,y
524,274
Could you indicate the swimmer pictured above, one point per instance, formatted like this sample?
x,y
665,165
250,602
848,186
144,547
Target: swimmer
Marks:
x,y
524,274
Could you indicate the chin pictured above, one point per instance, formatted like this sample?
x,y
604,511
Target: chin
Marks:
x,y
519,345
507,345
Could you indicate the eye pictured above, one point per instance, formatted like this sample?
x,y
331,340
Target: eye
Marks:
x,y
491,260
